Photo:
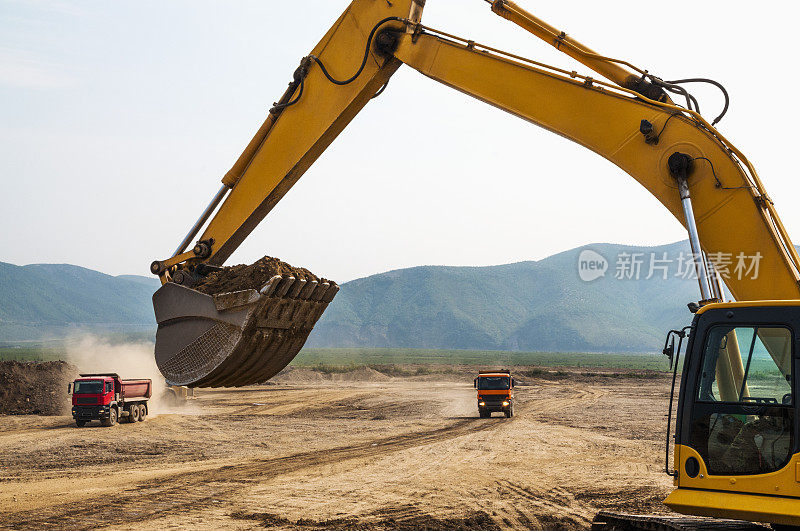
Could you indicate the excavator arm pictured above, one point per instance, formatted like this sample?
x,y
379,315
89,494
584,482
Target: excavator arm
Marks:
x,y
248,336
672,151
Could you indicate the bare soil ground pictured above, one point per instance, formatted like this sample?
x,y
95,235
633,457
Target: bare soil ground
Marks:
x,y
358,451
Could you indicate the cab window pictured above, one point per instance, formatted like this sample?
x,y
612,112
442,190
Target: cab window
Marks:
x,y
88,387
493,383
743,415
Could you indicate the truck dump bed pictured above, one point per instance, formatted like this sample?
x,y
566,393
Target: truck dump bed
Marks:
x,y
136,389
128,389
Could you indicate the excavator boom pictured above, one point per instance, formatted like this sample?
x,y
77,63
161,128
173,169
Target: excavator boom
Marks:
x,y
352,62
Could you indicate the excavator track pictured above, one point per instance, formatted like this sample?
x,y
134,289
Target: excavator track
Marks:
x,y
609,521
236,338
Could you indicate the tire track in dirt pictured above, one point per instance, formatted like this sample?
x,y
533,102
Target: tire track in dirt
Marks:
x,y
556,508
191,490
215,486
538,506
587,396
300,403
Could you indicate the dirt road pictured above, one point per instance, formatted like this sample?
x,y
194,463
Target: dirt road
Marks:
x,y
398,453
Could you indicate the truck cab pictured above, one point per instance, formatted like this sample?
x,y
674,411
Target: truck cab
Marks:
x,y
107,398
495,393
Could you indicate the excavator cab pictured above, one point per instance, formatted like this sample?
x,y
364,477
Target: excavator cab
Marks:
x,y
737,451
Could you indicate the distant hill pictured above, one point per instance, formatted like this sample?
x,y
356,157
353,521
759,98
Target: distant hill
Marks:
x,y
49,300
541,305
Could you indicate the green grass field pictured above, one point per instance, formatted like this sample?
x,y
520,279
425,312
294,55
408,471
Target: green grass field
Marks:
x,y
31,353
346,357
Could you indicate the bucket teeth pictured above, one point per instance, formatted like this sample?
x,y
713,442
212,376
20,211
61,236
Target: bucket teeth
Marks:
x,y
237,338
269,287
284,286
330,293
307,290
296,288
318,293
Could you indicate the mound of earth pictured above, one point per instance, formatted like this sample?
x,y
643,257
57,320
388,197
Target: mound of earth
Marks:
x,y
253,276
299,375
361,374
292,375
35,388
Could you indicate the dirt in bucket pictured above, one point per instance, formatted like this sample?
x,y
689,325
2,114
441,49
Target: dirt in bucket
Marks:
x,y
253,276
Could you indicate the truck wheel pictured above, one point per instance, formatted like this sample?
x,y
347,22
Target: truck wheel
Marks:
x,y
484,414
133,413
80,423
142,412
112,418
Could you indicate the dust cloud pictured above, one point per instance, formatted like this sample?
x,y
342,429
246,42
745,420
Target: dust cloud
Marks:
x,y
460,403
91,354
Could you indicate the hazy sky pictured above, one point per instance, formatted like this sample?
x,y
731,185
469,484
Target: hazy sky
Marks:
x,y
117,120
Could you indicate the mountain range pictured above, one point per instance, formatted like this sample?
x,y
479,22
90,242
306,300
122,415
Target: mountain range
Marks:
x,y
544,305
46,301
530,306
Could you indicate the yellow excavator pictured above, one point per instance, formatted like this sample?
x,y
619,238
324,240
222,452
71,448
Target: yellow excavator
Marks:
x,y
736,452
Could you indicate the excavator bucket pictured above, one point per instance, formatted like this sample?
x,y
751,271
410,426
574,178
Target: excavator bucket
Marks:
x,y
235,338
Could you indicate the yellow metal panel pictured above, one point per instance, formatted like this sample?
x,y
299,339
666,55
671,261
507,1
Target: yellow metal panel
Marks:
x,y
282,152
749,507
757,498
729,221
749,304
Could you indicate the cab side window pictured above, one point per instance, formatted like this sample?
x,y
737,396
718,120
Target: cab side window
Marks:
x,y
743,414
109,387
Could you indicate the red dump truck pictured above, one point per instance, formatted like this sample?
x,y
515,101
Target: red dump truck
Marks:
x,y
108,398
